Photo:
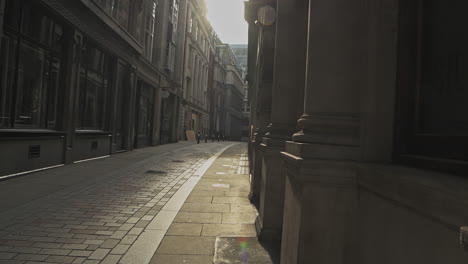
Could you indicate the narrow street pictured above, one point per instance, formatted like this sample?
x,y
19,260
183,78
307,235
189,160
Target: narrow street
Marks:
x,y
119,209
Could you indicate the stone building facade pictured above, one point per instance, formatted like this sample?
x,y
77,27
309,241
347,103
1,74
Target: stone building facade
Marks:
x,y
198,49
358,110
233,93
86,79
241,52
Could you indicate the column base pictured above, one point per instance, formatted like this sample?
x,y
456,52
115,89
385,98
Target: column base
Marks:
x,y
256,171
320,208
269,222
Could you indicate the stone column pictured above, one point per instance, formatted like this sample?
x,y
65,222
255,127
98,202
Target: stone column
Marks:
x,y
321,190
251,58
287,91
261,81
264,83
156,138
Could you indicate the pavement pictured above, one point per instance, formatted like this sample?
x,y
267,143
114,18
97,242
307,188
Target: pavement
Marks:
x,y
177,203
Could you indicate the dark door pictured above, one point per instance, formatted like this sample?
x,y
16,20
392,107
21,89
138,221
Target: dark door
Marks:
x,y
144,118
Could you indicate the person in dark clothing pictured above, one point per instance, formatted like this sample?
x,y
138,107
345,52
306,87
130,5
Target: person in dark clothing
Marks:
x,y
212,137
198,137
206,137
219,136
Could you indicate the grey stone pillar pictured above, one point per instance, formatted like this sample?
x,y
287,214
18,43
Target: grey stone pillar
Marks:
x,y
251,59
287,91
156,138
264,83
321,187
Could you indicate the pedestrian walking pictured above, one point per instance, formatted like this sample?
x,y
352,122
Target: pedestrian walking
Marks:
x,y
212,137
218,137
206,137
198,137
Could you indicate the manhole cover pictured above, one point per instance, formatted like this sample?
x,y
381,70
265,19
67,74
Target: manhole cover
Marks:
x,y
178,161
155,172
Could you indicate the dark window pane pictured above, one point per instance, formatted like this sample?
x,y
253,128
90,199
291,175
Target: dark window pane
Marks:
x,y
443,93
146,106
7,71
37,25
52,92
122,13
30,70
12,14
32,73
93,89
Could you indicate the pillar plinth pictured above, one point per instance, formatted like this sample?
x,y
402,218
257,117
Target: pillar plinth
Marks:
x,y
287,91
321,193
320,206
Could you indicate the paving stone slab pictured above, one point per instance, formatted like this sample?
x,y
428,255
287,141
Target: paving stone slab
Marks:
x,y
233,230
231,200
205,208
239,218
202,218
181,259
187,245
184,229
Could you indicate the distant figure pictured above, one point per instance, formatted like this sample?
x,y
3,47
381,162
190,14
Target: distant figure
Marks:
x,y
212,137
223,138
219,136
198,137
206,137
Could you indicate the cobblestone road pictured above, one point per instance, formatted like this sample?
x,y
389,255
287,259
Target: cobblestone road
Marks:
x,y
97,219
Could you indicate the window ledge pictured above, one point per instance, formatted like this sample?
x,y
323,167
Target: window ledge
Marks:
x,y
93,132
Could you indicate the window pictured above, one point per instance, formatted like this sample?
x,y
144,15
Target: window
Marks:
x,y
149,29
170,56
93,88
30,69
145,115
174,19
190,25
190,57
432,124
118,9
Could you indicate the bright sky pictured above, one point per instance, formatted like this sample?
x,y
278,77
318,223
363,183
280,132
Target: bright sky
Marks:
x,y
227,18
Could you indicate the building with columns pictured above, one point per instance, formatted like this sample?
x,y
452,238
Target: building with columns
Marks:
x,y
358,153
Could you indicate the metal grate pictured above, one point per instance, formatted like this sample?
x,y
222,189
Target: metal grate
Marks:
x,y
155,172
34,151
94,145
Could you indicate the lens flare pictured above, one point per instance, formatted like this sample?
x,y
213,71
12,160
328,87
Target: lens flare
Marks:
x,y
244,245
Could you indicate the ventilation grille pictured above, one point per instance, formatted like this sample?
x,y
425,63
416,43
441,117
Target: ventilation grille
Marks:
x,y
94,145
34,151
